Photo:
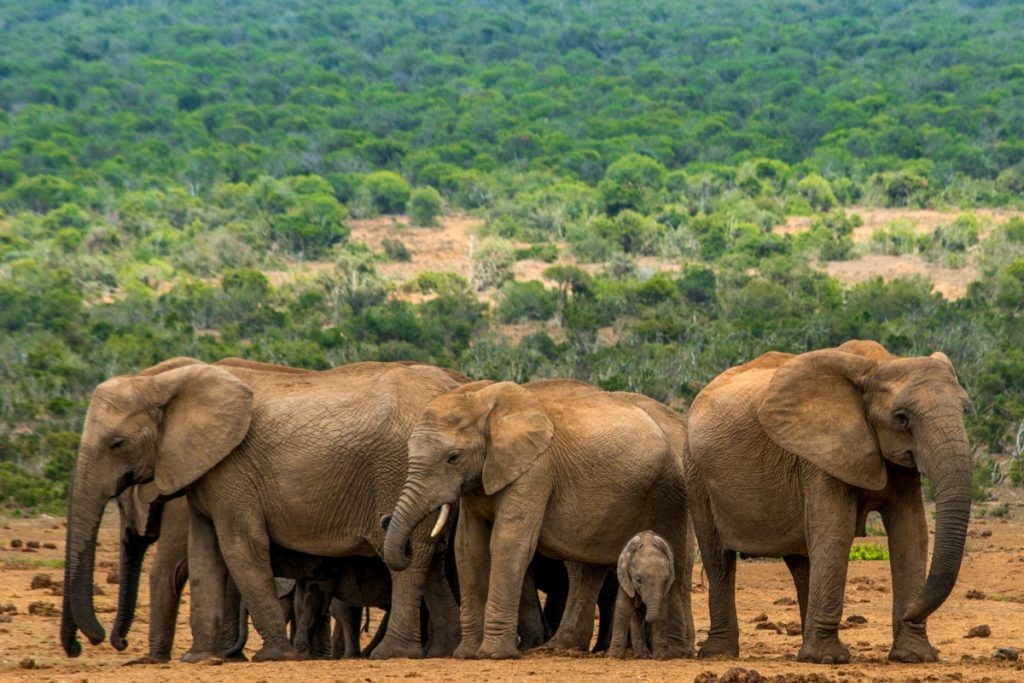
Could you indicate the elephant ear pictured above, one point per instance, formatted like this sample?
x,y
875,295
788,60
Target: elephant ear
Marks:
x,y
206,413
625,558
814,408
666,550
866,348
518,431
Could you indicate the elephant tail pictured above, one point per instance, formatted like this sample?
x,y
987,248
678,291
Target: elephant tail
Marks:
x,y
366,624
243,632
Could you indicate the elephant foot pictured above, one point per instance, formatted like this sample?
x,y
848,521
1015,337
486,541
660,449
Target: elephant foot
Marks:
x,y
273,653
911,645
497,649
148,659
720,647
197,656
392,648
824,651
467,649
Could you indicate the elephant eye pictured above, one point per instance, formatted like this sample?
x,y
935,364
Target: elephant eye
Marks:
x,y
117,444
903,420
453,457
638,579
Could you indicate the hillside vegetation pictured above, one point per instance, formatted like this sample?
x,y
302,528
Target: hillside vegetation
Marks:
x,y
647,193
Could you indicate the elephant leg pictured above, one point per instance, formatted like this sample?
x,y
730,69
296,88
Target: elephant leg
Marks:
x,y
800,569
831,514
513,543
443,611
659,639
577,626
621,625
678,620
638,636
246,551
208,579
345,643
907,528
531,618
473,560
606,612
403,637
720,566
167,579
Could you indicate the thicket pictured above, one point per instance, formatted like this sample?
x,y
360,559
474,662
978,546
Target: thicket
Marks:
x,y
161,166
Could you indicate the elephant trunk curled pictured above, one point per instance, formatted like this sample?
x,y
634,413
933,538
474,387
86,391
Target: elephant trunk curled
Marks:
x,y
85,510
952,512
410,510
133,551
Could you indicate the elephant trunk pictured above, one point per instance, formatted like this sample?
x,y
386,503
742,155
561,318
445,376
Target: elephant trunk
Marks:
x,y
653,607
952,512
133,551
85,511
410,510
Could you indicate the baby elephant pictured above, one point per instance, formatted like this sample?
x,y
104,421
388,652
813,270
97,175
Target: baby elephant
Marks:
x,y
646,572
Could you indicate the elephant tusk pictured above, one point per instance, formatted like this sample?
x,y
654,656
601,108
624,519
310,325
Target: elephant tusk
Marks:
x,y
441,519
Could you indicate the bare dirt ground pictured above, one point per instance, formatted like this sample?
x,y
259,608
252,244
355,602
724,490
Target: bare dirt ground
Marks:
x,y
990,591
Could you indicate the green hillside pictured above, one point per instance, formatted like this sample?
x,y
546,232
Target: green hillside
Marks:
x,y
161,163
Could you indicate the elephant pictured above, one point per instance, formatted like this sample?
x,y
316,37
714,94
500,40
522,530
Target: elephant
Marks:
x,y
306,462
646,571
573,474
141,525
787,456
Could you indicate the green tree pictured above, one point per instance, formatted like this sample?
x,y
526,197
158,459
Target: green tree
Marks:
x,y
389,191
425,205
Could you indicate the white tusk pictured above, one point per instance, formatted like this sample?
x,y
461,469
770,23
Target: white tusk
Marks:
x,y
441,519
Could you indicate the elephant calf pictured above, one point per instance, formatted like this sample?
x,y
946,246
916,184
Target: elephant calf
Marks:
x,y
646,572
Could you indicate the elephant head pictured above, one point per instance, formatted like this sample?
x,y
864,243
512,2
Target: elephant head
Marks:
x,y
851,409
167,425
647,568
481,434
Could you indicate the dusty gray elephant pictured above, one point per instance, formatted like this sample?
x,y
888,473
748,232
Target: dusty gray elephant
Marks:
x,y
573,476
788,454
307,462
646,572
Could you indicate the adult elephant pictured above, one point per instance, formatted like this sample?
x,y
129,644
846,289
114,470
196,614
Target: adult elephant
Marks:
x,y
789,453
305,462
572,475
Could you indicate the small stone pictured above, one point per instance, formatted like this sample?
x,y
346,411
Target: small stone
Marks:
x,y
792,628
50,546
17,543
740,675
9,608
856,619
96,590
979,533
975,594
785,601
32,544
27,663
760,617
114,577
1011,654
41,581
6,618
980,631
43,609
766,626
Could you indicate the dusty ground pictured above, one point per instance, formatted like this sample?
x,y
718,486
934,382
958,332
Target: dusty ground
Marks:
x,y
994,566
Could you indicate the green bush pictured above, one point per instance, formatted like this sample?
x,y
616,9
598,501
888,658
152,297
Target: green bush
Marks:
x,y
869,552
389,192
526,301
544,251
425,205
395,250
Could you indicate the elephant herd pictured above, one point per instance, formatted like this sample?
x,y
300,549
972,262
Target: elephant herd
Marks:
x,y
288,496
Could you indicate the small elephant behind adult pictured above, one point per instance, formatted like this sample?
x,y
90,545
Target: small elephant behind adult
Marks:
x,y
646,572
